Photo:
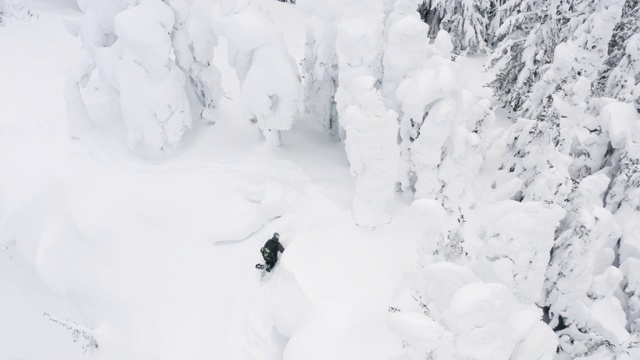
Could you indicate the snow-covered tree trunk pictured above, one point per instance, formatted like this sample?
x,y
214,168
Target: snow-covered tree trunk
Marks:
x,y
270,86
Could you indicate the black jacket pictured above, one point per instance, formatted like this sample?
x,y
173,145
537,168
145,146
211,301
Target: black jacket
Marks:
x,y
270,250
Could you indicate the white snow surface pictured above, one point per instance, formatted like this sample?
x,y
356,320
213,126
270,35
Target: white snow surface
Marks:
x,y
152,257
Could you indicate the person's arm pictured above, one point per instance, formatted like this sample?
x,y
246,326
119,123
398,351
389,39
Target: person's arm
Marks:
x,y
280,247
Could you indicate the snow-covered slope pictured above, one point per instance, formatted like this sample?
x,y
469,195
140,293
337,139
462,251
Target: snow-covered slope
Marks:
x,y
506,238
156,258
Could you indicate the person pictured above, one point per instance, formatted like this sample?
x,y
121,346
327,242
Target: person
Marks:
x,y
270,251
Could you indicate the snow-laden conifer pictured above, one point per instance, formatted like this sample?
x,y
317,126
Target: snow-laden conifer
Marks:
x,y
440,127
532,168
527,49
372,150
469,309
576,61
406,49
132,47
193,42
465,20
619,76
581,278
320,65
148,85
270,85
96,30
562,95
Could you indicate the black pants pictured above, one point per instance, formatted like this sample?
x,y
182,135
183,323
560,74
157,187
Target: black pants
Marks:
x,y
270,264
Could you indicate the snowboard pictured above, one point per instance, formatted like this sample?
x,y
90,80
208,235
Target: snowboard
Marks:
x,y
263,270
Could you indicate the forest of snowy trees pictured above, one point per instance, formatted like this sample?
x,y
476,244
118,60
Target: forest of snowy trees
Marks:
x,y
530,244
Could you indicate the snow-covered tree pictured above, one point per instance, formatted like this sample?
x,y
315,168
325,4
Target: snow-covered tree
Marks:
x,y
406,49
370,129
433,12
580,278
529,165
623,199
530,38
453,311
510,242
562,95
96,30
150,88
359,44
372,150
405,53
468,25
270,90
465,20
576,61
437,116
619,76
440,122
193,42
496,14
320,65
443,147
155,95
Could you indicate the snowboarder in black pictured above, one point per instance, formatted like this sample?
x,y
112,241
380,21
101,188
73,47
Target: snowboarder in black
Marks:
x,y
270,252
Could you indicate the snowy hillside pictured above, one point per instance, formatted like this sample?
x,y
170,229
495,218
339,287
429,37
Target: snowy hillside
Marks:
x,y
149,148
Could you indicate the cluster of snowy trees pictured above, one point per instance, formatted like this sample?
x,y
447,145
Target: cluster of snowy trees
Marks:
x,y
427,125
530,247
540,214
154,61
567,72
